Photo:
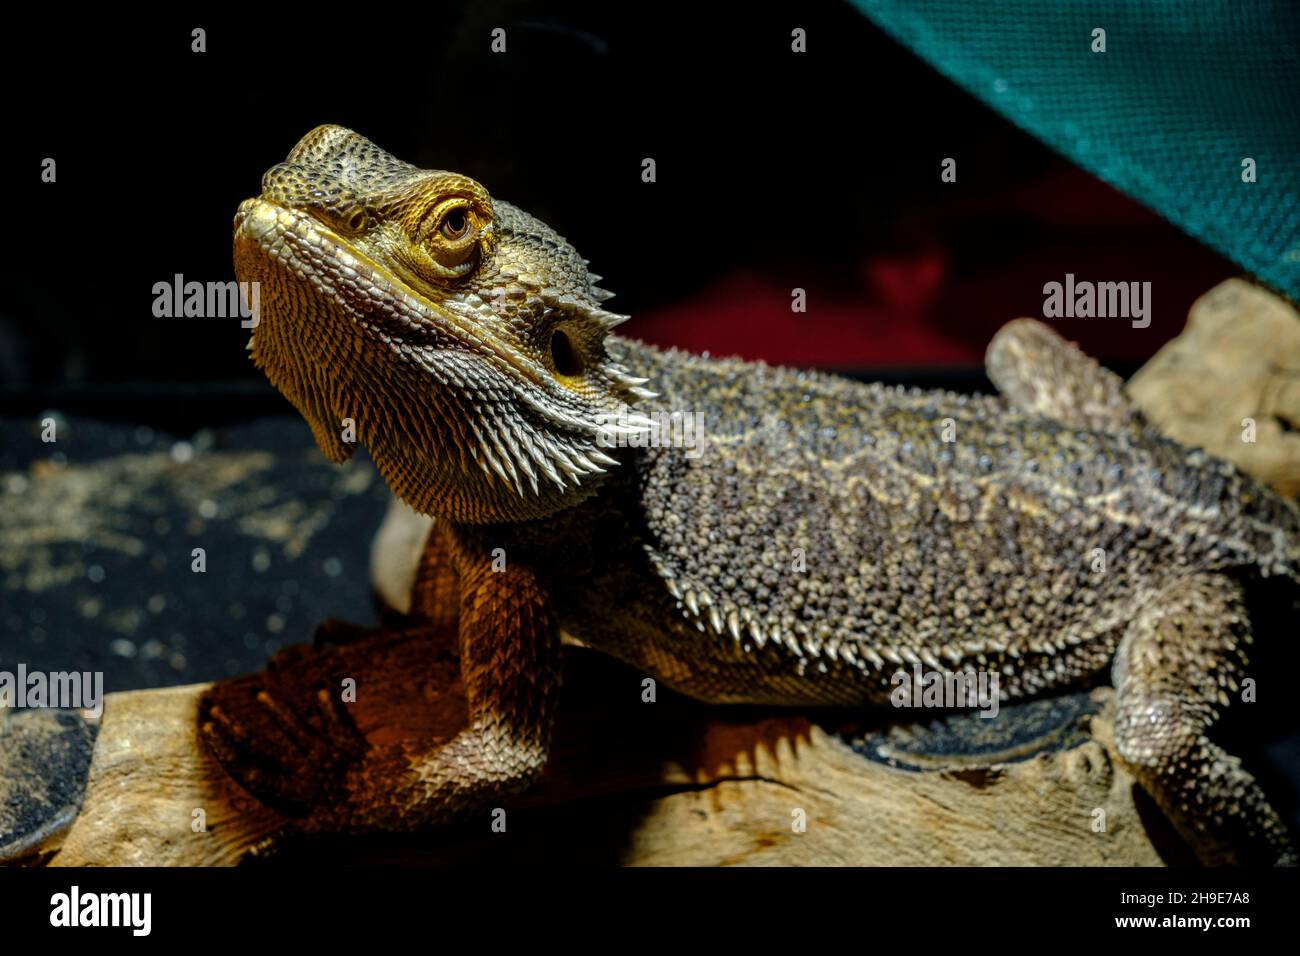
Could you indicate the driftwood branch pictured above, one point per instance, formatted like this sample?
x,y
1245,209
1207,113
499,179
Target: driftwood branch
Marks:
x,y
674,783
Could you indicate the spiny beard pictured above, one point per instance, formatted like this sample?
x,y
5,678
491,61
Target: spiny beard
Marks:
x,y
523,454
470,447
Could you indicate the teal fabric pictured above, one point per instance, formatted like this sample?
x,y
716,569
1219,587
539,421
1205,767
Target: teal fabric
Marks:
x,y
1184,92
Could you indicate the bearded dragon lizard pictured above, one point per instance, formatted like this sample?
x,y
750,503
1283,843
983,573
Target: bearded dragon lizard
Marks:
x,y
826,534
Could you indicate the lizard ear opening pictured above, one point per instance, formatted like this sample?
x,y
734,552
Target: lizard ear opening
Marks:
x,y
564,355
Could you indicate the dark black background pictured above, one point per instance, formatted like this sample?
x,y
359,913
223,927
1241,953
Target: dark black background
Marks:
x,y
766,160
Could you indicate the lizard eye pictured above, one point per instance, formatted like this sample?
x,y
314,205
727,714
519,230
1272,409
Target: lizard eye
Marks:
x,y
456,225
454,233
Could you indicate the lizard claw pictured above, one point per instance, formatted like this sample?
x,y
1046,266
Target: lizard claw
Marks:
x,y
285,736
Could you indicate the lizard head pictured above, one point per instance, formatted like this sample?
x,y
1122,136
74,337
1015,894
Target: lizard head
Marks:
x,y
462,340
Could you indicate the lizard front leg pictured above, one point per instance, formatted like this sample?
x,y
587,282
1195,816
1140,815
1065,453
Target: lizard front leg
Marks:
x,y
1179,660
287,737
510,668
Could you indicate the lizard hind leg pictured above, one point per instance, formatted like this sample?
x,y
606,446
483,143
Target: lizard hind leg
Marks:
x,y
1175,668
1041,373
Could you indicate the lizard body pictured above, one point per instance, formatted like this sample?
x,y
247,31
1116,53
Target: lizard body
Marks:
x,y
972,554
825,535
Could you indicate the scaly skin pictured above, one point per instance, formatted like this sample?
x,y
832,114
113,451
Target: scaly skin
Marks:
x,y
826,533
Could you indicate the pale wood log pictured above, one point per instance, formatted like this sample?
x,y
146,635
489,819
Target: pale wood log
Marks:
x,y
1238,359
148,777
717,791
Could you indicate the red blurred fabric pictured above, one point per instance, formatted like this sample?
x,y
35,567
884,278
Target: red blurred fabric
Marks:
x,y
936,286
